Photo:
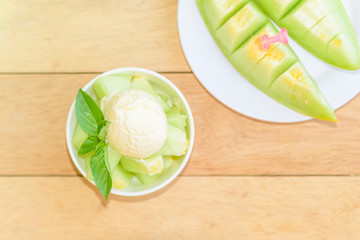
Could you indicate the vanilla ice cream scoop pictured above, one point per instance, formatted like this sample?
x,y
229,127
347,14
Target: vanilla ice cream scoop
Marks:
x,y
138,124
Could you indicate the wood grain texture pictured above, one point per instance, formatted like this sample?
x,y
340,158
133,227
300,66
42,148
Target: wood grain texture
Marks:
x,y
89,36
208,208
82,36
33,111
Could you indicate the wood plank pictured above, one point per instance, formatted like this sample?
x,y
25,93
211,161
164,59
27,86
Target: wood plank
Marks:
x,y
89,35
33,111
263,208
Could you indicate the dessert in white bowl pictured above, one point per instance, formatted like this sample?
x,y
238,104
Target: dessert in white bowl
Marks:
x,y
142,137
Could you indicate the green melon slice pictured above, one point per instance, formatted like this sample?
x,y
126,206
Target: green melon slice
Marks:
x,y
320,26
296,89
113,157
79,136
219,11
88,173
340,52
304,16
176,142
176,118
164,97
104,86
261,67
142,83
150,166
278,8
236,30
273,64
120,177
146,179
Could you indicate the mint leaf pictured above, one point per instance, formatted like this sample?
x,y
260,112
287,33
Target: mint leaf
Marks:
x,y
100,171
88,145
88,113
91,120
102,129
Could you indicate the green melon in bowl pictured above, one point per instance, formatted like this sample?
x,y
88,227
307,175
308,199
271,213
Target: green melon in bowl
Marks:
x,y
131,176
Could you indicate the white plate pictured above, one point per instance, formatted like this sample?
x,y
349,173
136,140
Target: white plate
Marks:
x,y
226,84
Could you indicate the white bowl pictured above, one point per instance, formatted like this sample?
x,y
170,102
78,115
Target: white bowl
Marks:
x,y
160,83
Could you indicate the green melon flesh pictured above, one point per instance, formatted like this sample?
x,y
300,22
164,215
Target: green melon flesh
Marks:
x,y
261,67
278,7
79,136
88,173
142,83
321,26
104,86
296,89
176,118
164,97
273,64
219,11
176,142
113,157
236,30
120,177
150,166
146,179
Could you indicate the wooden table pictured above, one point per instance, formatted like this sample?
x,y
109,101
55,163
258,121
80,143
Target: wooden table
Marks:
x,y
246,179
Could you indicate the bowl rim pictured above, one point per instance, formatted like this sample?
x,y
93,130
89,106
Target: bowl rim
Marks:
x,y
73,155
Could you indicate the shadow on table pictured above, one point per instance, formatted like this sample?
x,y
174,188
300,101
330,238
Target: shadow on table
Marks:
x,y
113,197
